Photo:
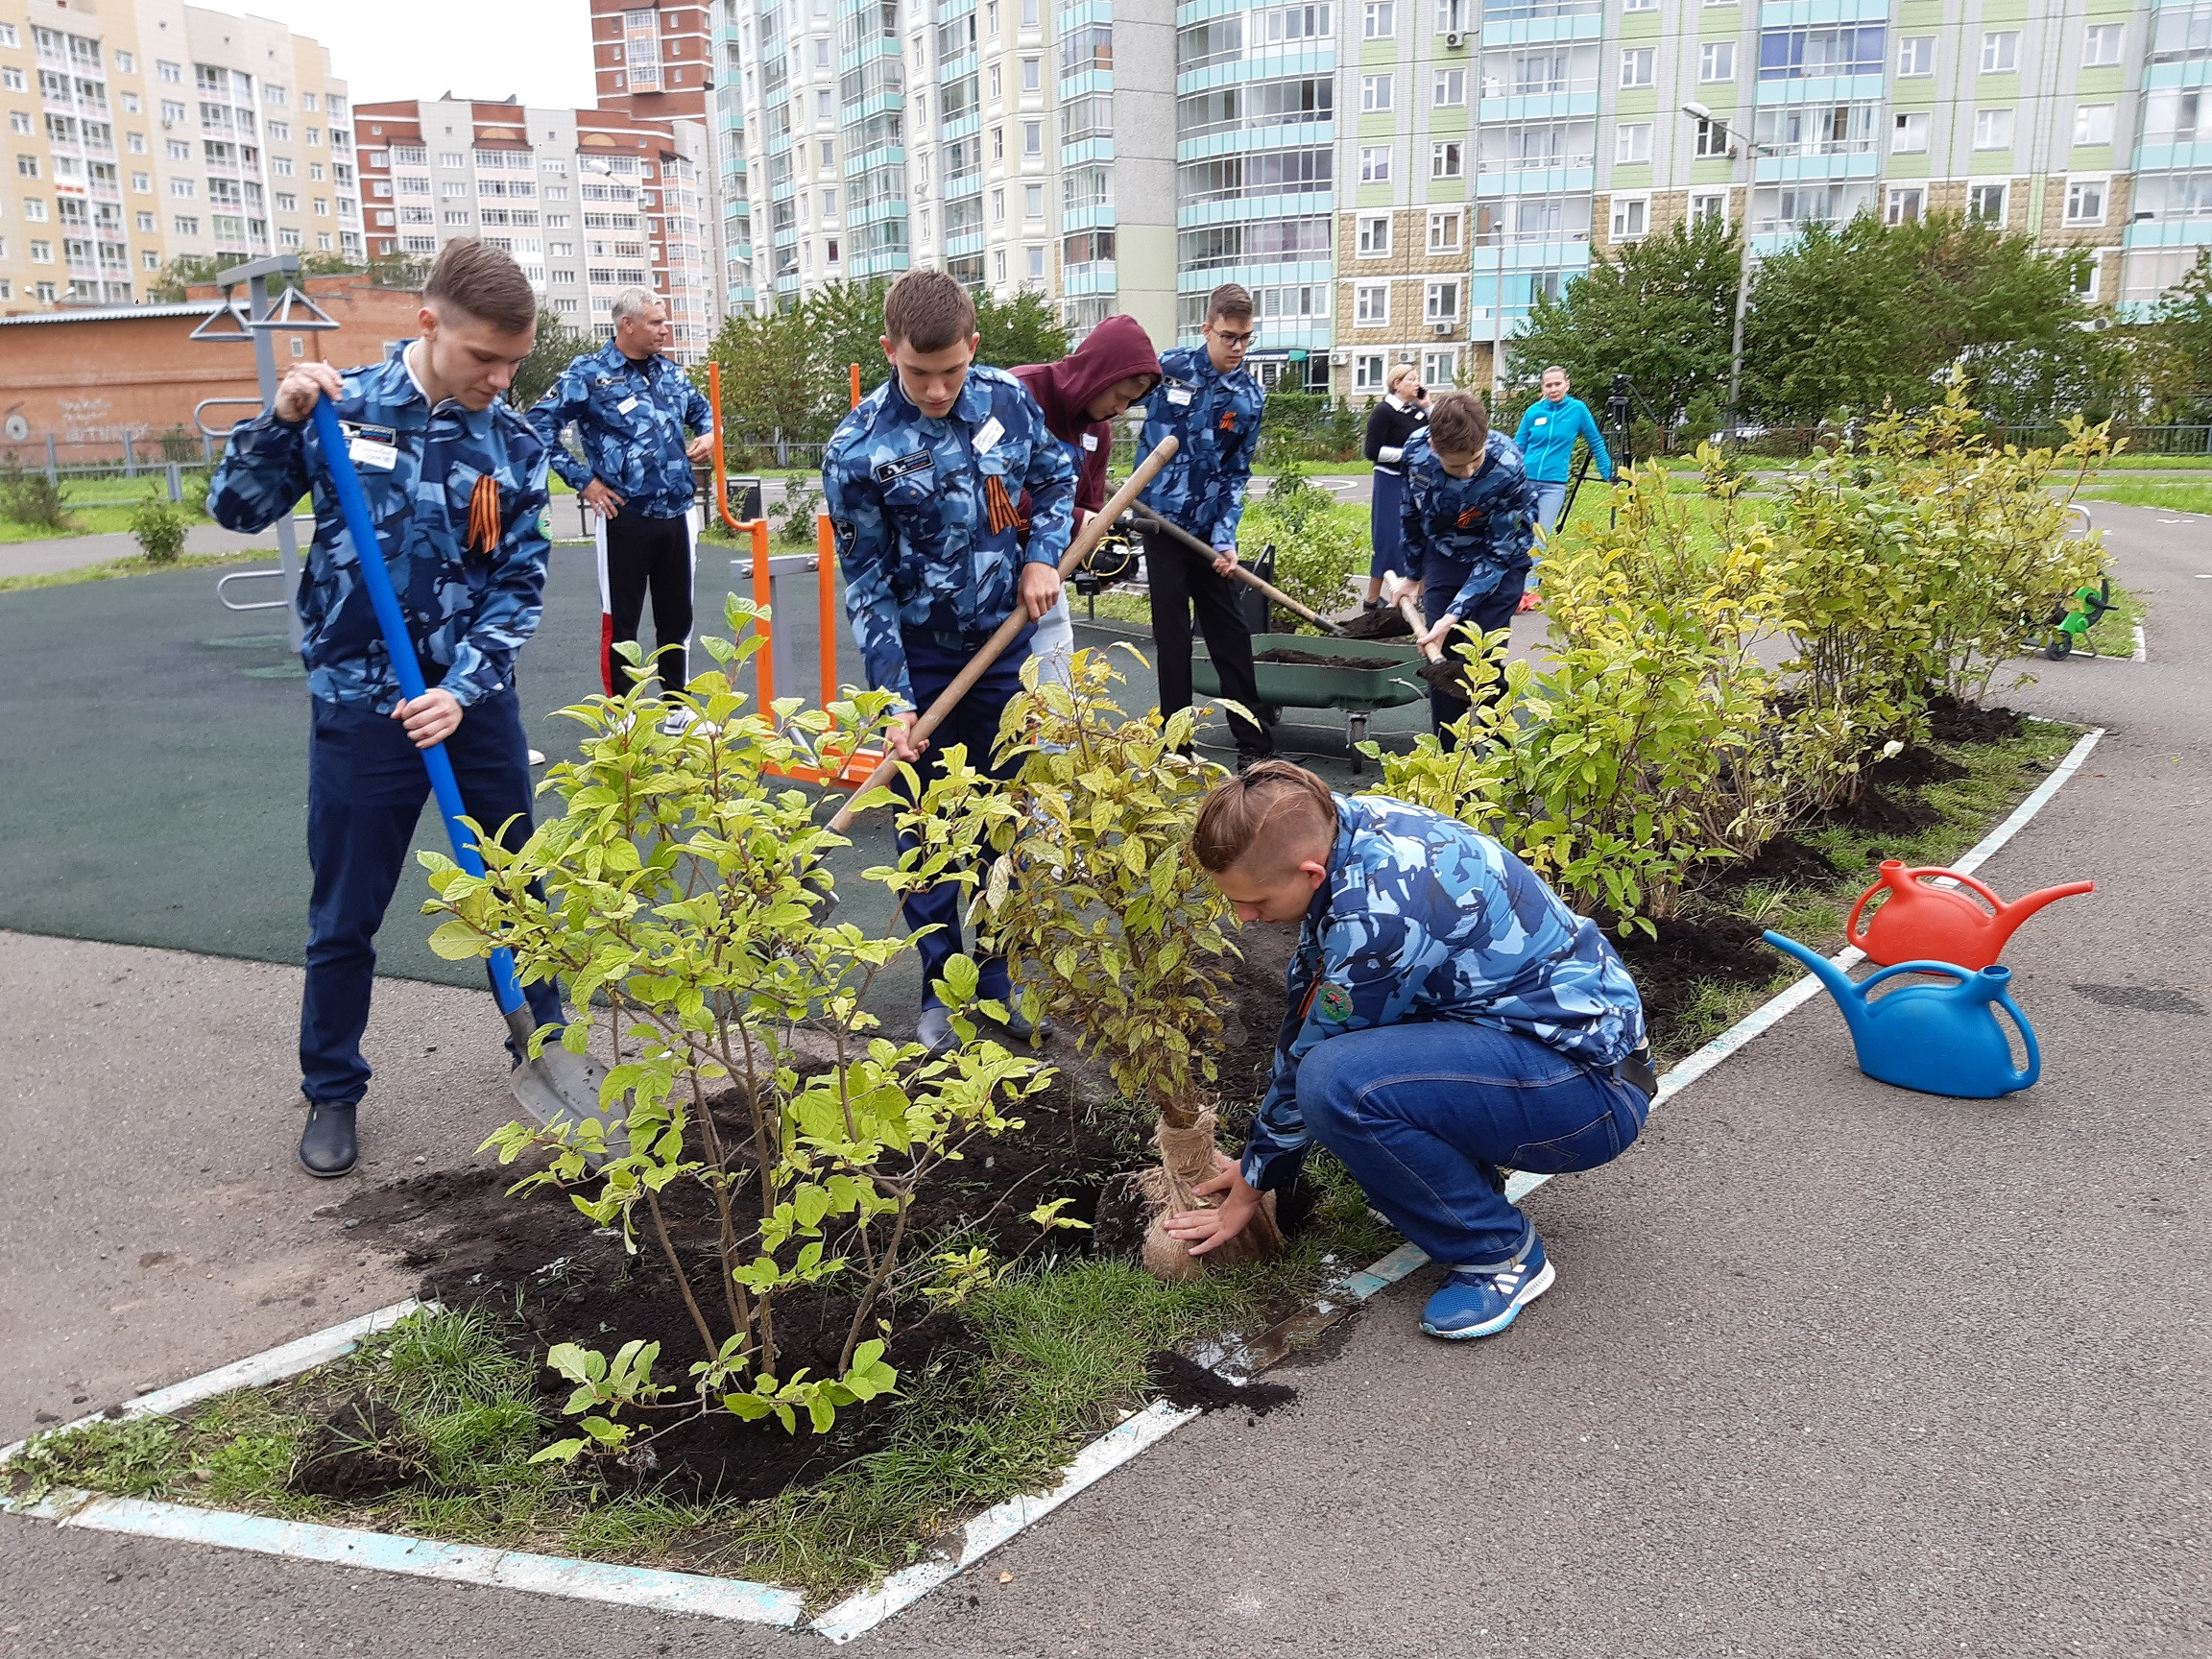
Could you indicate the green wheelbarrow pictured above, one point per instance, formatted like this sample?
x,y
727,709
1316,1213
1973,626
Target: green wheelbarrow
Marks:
x,y
1357,692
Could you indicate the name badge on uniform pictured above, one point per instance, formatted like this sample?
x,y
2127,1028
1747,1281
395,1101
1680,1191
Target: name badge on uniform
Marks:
x,y
1541,420
891,472
626,405
1091,440
1179,396
988,435
376,446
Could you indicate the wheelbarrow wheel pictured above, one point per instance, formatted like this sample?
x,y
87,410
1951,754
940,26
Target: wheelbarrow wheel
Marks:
x,y
2061,648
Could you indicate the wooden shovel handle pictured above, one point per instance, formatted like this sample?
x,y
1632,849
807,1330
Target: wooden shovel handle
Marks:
x,y
1410,610
1078,549
1176,533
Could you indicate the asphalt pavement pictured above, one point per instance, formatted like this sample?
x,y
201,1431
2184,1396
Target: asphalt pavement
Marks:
x,y
1830,1368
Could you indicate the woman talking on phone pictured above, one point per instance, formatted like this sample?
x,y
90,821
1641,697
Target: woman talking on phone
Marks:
x,y
1400,412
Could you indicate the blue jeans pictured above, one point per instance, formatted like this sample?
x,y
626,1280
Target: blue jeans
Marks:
x,y
366,785
1550,497
1429,1116
974,721
1441,586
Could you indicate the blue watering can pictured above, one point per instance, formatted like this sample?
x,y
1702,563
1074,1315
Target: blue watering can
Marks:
x,y
1938,1038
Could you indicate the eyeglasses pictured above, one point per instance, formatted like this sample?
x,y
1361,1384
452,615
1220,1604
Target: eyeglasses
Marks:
x,y
1227,339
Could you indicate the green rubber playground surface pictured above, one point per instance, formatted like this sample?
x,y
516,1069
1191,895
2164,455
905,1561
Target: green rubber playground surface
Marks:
x,y
153,747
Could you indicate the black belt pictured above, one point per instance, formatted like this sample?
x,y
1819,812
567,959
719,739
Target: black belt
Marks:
x,y
1638,1073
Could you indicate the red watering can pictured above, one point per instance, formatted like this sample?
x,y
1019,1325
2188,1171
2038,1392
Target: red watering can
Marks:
x,y
1919,921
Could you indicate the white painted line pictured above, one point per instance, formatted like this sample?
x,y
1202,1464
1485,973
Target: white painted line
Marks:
x,y
859,1614
765,1603
679,1593
273,1366
2142,653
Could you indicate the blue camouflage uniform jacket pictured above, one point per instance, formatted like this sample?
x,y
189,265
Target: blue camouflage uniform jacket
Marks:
x,y
1478,527
1216,418
469,608
928,518
630,418
1423,918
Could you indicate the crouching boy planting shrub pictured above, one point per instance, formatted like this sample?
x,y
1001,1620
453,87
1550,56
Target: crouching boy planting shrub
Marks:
x,y
1450,1019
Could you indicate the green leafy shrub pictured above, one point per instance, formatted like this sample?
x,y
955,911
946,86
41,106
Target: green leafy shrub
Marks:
x,y
795,517
1316,551
29,497
682,884
158,528
1092,896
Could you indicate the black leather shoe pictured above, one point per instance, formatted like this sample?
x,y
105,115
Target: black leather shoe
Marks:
x,y
326,1146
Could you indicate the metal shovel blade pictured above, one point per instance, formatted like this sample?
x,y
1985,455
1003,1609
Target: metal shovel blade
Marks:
x,y
559,1088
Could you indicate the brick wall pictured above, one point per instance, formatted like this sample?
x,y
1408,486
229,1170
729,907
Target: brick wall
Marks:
x,y
89,380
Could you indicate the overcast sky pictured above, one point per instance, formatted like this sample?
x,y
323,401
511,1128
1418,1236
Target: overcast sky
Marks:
x,y
539,50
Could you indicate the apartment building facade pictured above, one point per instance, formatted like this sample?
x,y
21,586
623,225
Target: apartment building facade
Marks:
x,y
589,202
138,133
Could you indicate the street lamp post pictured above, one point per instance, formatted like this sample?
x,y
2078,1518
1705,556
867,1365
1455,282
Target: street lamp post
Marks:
x,y
1742,264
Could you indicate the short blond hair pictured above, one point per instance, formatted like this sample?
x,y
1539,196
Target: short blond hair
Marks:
x,y
1274,799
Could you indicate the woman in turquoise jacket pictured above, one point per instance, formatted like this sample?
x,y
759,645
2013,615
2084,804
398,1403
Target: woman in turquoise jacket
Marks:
x,y
1546,441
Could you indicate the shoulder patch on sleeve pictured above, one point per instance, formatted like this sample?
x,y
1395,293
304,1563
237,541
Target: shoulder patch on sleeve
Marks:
x,y
1333,1003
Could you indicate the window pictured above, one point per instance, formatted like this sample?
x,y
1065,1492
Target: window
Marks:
x,y
1905,205
173,73
186,225
1441,303
35,209
306,100
176,150
315,171
1032,138
829,152
1992,129
1711,139
1374,93
1909,135
1631,217
1379,20
13,79
1802,54
289,239
27,166
41,252
1439,369
1450,88
1034,257
1375,165
1033,202
18,120
998,143
1451,16
997,207
1367,372
1374,235
2092,124
284,202
1712,210
994,80
1371,304
2001,52
135,143
1986,202
1029,13
2101,43
126,64
1632,142
1444,159
1716,61
281,167
1444,231
183,189
1636,67
9,36
1639,5
2085,201
1033,80
1915,56
146,223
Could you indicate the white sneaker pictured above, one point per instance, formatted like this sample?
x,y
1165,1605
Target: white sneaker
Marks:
x,y
537,756
683,720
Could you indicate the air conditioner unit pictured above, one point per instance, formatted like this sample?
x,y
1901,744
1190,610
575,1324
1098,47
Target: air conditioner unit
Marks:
x,y
1339,358
1454,40
1440,329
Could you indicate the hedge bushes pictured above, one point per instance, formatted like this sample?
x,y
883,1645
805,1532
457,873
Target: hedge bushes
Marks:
x,y
1655,742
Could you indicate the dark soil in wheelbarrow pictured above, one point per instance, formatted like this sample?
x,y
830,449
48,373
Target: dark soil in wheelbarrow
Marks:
x,y
536,1261
1315,660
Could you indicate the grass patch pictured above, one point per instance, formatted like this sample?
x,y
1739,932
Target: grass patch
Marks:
x,y
1998,777
1062,1352
132,565
2174,497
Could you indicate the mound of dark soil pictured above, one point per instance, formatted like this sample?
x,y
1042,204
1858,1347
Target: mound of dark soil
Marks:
x,y
1314,659
358,1450
1183,1382
1692,949
1783,861
1951,721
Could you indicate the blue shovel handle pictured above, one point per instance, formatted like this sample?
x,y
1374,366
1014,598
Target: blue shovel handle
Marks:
x,y
368,554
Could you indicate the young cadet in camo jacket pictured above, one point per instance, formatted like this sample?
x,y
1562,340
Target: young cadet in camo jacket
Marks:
x,y
1468,526
630,406
455,482
1207,400
923,485
1449,1019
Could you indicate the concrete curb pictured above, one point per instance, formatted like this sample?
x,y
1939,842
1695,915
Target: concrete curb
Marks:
x,y
741,1600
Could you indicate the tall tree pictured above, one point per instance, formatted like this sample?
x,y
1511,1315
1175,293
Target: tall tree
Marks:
x,y
1659,311
773,378
557,347
846,321
1022,330
1851,317
2176,346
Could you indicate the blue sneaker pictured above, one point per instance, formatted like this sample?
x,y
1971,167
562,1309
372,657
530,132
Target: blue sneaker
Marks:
x,y
1477,1303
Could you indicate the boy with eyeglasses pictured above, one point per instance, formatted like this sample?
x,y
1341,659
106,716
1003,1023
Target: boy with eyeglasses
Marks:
x,y
1210,401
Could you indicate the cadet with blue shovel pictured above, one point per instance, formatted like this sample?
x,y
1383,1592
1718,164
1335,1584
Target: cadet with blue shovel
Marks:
x,y
452,484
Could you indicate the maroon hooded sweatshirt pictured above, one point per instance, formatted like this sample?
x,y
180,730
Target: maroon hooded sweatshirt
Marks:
x,y
1115,351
